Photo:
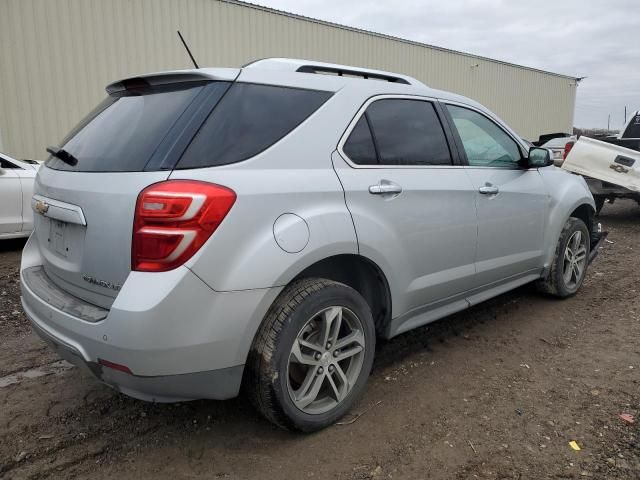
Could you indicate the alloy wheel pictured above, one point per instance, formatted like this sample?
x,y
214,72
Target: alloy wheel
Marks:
x,y
575,259
325,360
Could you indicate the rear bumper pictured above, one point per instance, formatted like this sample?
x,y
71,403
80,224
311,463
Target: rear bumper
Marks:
x,y
179,338
214,384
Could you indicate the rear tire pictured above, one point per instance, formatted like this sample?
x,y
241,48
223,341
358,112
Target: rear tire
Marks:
x,y
306,369
570,261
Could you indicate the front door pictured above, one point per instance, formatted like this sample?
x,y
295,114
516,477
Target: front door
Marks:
x,y
413,209
511,201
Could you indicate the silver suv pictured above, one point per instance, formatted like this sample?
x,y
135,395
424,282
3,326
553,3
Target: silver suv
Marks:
x,y
206,229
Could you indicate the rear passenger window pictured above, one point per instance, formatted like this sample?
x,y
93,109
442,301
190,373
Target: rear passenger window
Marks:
x,y
359,147
405,132
249,119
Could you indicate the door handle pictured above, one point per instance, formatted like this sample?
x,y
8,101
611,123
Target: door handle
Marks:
x,y
385,187
489,190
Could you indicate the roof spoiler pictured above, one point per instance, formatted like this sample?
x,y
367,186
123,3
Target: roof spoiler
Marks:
x,y
178,76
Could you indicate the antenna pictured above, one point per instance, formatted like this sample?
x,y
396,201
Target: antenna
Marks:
x,y
187,49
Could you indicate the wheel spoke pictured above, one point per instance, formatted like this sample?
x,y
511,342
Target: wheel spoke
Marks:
x,y
581,253
568,255
567,272
331,324
309,389
310,345
348,352
303,358
577,270
341,388
577,240
356,337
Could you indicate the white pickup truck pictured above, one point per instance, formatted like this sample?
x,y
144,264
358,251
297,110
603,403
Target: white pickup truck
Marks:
x,y
611,166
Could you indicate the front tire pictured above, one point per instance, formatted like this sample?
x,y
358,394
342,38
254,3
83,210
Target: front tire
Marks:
x,y
312,355
570,261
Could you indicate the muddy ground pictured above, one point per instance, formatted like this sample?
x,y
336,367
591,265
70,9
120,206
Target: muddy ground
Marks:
x,y
496,392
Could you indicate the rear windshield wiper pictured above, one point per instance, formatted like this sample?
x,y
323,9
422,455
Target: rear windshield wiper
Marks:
x,y
63,155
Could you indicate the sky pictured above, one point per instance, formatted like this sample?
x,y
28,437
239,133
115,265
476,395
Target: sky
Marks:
x,y
596,39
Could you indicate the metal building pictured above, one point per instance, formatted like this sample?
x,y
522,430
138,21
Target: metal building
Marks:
x,y
56,56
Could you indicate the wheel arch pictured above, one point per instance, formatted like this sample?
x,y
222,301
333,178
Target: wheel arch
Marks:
x,y
582,209
361,274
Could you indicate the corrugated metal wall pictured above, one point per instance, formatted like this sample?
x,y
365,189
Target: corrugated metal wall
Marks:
x,y
56,56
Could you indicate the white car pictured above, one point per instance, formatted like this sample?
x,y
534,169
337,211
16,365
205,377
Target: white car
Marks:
x,y
16,190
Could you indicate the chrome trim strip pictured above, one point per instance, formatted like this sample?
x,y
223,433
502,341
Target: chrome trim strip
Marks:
x,y
65,212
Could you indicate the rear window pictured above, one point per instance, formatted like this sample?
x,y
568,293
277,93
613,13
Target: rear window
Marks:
x,y
124,131
249,119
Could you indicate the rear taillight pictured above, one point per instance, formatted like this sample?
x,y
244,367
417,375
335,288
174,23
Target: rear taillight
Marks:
x,y
567,148
173,219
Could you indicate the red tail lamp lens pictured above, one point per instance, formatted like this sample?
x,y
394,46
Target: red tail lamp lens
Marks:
x,y
173,220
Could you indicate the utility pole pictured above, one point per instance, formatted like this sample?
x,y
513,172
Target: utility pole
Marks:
x,y
625,114
608,123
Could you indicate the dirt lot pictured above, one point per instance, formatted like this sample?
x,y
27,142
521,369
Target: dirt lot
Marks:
x,y
496,392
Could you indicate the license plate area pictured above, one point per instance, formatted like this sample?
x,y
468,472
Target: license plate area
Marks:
x,y
59,238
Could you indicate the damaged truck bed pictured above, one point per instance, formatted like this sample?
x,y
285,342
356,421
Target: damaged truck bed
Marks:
x,y
611,166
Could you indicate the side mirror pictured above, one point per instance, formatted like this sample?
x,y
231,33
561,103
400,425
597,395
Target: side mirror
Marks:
x,y
539,157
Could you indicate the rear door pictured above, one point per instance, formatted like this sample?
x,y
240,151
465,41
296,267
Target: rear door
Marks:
x,y
10,198
512,201
86,210
413,209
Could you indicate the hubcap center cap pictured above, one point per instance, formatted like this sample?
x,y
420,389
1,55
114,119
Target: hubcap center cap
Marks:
x,y
326,358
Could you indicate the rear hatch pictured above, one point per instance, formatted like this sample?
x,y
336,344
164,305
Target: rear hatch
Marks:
x,y
85,207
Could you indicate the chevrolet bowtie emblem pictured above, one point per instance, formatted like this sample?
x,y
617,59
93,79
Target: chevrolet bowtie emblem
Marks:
x,y
41,207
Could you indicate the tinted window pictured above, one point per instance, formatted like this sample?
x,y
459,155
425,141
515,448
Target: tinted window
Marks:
x,y
485,144
248,119
408,132
124,131
359,146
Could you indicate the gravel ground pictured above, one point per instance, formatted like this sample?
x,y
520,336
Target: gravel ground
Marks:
x,y
495,392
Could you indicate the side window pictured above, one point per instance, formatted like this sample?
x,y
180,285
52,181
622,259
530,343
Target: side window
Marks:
x,y
485,144
8,165
249,119
403,132
408,132
359,146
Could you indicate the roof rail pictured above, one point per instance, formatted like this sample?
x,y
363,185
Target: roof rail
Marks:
x,y
346,72
309,66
